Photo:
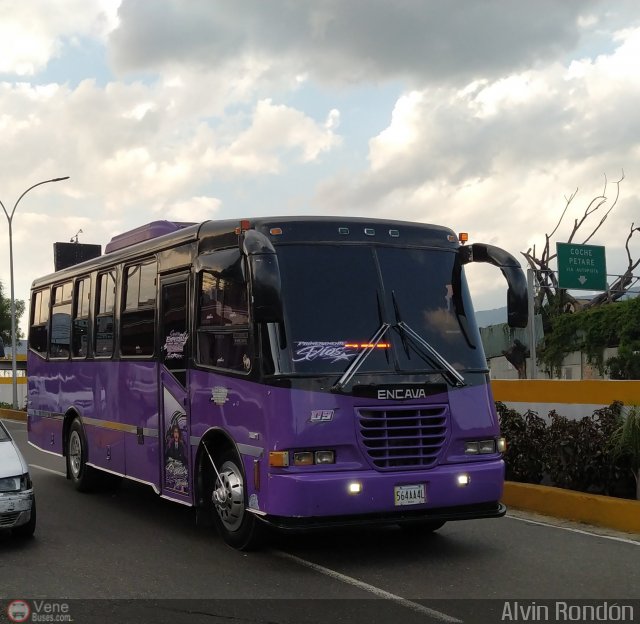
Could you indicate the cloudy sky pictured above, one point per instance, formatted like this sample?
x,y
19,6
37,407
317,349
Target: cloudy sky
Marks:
x,y
481,115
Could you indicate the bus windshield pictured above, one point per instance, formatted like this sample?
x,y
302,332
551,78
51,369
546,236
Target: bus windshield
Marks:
x,y
336,297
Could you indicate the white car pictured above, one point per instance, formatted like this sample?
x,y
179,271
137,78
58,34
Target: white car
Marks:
x,y
17,501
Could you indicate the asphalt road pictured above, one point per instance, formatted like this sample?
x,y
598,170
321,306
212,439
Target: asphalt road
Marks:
x,y
128,555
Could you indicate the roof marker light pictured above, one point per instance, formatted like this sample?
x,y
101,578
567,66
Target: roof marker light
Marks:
x,y
343,230
245,225
394,233
275,231
463,237
369,231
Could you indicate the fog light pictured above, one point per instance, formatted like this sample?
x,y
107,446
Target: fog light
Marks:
x,y
278,459
487,446
355,487
325,457
502,445
463,480
303,458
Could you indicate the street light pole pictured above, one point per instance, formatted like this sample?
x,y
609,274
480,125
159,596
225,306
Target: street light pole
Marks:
x,y
13,300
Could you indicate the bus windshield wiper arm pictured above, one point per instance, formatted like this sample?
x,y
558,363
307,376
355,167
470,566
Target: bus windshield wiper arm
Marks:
x,y
448,372
360,358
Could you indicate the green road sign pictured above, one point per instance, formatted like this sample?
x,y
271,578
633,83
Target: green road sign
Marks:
x,y
581,267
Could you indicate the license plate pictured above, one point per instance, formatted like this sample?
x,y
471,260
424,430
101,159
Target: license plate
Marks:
x,y
9,506
409,494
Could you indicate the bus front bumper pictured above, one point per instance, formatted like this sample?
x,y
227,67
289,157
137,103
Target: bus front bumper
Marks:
x,y
448,492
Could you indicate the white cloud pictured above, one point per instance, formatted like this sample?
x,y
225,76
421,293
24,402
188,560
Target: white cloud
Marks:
x,y
194,210
32,33
501,109
495,158
344,42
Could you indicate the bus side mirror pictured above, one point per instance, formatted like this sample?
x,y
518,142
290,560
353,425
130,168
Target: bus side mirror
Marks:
x,y
266,292
517,300
265,277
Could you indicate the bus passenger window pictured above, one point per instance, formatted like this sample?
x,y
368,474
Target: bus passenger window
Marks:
x,y
80,324
137,321
61,322
103,341
39,329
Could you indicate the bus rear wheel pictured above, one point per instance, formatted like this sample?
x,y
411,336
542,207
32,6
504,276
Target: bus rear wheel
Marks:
x,y
227,499
83,477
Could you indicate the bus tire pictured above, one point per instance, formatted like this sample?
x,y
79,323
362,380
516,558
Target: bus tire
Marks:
x,y
83,477
421,527
227,499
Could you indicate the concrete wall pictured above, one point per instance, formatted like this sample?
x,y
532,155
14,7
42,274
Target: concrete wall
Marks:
x,y
6,391
570,398
574,366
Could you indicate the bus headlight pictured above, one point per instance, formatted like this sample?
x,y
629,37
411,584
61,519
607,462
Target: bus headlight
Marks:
x,y
325,457
482,447
303,458
311,458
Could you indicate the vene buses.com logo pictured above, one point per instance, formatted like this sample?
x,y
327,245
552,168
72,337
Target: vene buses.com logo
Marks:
x,y
18,611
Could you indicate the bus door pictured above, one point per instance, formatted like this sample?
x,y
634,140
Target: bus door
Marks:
x,y
174,405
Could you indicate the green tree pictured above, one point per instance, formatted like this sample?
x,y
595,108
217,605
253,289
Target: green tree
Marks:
x,y
5,317
593,330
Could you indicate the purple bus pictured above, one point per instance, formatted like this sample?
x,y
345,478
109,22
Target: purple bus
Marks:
x,y
295,372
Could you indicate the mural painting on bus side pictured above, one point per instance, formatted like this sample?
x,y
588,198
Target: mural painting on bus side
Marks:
x,y
176,461
174,345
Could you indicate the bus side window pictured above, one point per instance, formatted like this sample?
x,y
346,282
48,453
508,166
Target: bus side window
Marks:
x,y
223,317
137,321
106,292
80,323
60,346
39,329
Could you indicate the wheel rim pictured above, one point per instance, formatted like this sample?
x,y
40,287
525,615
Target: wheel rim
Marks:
x,y
75,454
228,496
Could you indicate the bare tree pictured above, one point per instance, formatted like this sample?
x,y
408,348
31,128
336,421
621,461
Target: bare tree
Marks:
x,y
548,290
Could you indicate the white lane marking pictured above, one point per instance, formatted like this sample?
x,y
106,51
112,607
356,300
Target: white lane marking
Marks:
x,y
55,472
572,530
381,593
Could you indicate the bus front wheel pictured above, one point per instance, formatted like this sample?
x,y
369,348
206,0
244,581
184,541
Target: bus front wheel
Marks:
x,y
227,498
82,476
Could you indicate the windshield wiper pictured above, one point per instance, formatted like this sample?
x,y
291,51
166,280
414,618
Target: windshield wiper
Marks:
x,y
431,355
360,358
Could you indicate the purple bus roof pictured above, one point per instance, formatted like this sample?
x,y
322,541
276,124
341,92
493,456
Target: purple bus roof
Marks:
x,y
143,233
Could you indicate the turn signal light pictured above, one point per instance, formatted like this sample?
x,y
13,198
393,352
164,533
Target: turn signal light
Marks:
x,y
278,459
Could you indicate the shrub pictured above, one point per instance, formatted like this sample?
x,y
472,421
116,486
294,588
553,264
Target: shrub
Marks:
x,y
574,454
525,438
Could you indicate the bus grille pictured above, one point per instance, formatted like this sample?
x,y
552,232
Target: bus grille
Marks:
x,y
403,437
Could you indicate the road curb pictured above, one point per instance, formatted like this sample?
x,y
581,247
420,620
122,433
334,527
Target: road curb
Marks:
x,y
606,511
10,414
